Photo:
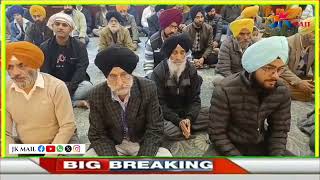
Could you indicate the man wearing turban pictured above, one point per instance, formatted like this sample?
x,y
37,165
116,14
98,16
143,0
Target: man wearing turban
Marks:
x,y
243,103
66,58
129,23
114,33
232,49
179,88
20,25
252,12
201,35
39,31
125,115
80,30
300,73
169,21
153,21
215,21
37,103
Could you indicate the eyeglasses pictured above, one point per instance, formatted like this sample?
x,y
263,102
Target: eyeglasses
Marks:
x,y
125,78
271,70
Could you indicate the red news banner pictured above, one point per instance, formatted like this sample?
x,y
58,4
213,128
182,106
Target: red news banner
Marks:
x,y
140,166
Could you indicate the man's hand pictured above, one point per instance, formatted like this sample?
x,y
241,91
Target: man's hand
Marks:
x,y
306,85
82,39
215,44
181,26
185,126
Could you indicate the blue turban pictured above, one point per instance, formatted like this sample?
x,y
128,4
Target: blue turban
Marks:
x,y
264,52
15,10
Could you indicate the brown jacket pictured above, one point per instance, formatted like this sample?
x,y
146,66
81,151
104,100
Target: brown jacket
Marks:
x,y
206,38
295,51
123,38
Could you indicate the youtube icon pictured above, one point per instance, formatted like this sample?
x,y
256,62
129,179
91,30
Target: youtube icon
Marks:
x,y
50,148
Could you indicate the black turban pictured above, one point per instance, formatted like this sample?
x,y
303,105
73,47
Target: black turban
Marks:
x,y
116,56
194,11
114,14
171,43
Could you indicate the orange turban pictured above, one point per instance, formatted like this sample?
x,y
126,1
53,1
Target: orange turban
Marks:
x,y
37,10
250,12
122,8
26,52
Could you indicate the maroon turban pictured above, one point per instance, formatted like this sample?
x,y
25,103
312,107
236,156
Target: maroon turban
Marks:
x,y
169,16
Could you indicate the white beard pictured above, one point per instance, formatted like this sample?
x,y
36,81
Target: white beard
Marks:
x,y
176,69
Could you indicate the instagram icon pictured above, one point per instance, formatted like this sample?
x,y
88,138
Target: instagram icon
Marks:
x,y
76,148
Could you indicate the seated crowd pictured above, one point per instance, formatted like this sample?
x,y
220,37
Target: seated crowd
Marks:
x,y
257,70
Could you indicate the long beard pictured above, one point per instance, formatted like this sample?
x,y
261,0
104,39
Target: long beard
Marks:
x,y
121,91
176,70
244,45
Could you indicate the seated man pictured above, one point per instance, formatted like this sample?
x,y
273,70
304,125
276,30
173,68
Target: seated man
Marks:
x,y
80,30
215,21
88,15
178,89
201,35
38,104
251,12
19,26
125,115
39,31
129,23
169,21
153,21
66,58
300,72
232,49
114,33
100,20
250,111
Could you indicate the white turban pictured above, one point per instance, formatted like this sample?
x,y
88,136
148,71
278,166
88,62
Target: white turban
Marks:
x,y
61,17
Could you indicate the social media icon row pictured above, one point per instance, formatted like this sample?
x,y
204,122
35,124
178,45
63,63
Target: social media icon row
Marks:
x,y
59,148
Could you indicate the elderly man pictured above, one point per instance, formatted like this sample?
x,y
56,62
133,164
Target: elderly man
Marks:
x,y
178,89
232,49
129,23
38,104
125,115
114,33
169,21
201,35
19,25
39,31
250,110
80,30
66,58
299,76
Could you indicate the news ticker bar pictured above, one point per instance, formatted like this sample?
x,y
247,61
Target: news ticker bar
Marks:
x,y
47,149
160,166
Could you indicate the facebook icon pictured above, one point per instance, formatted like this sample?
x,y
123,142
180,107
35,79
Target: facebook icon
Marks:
x,y
41,148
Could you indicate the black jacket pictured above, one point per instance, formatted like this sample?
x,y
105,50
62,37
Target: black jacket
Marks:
x,y
156,43
178,100
144,119
75,66
38,33
238,114
153,23
216,23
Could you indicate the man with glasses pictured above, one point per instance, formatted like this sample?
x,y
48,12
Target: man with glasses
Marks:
x,y
66,58
250,110
201,35
39,31
169,20
125,115
232,49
